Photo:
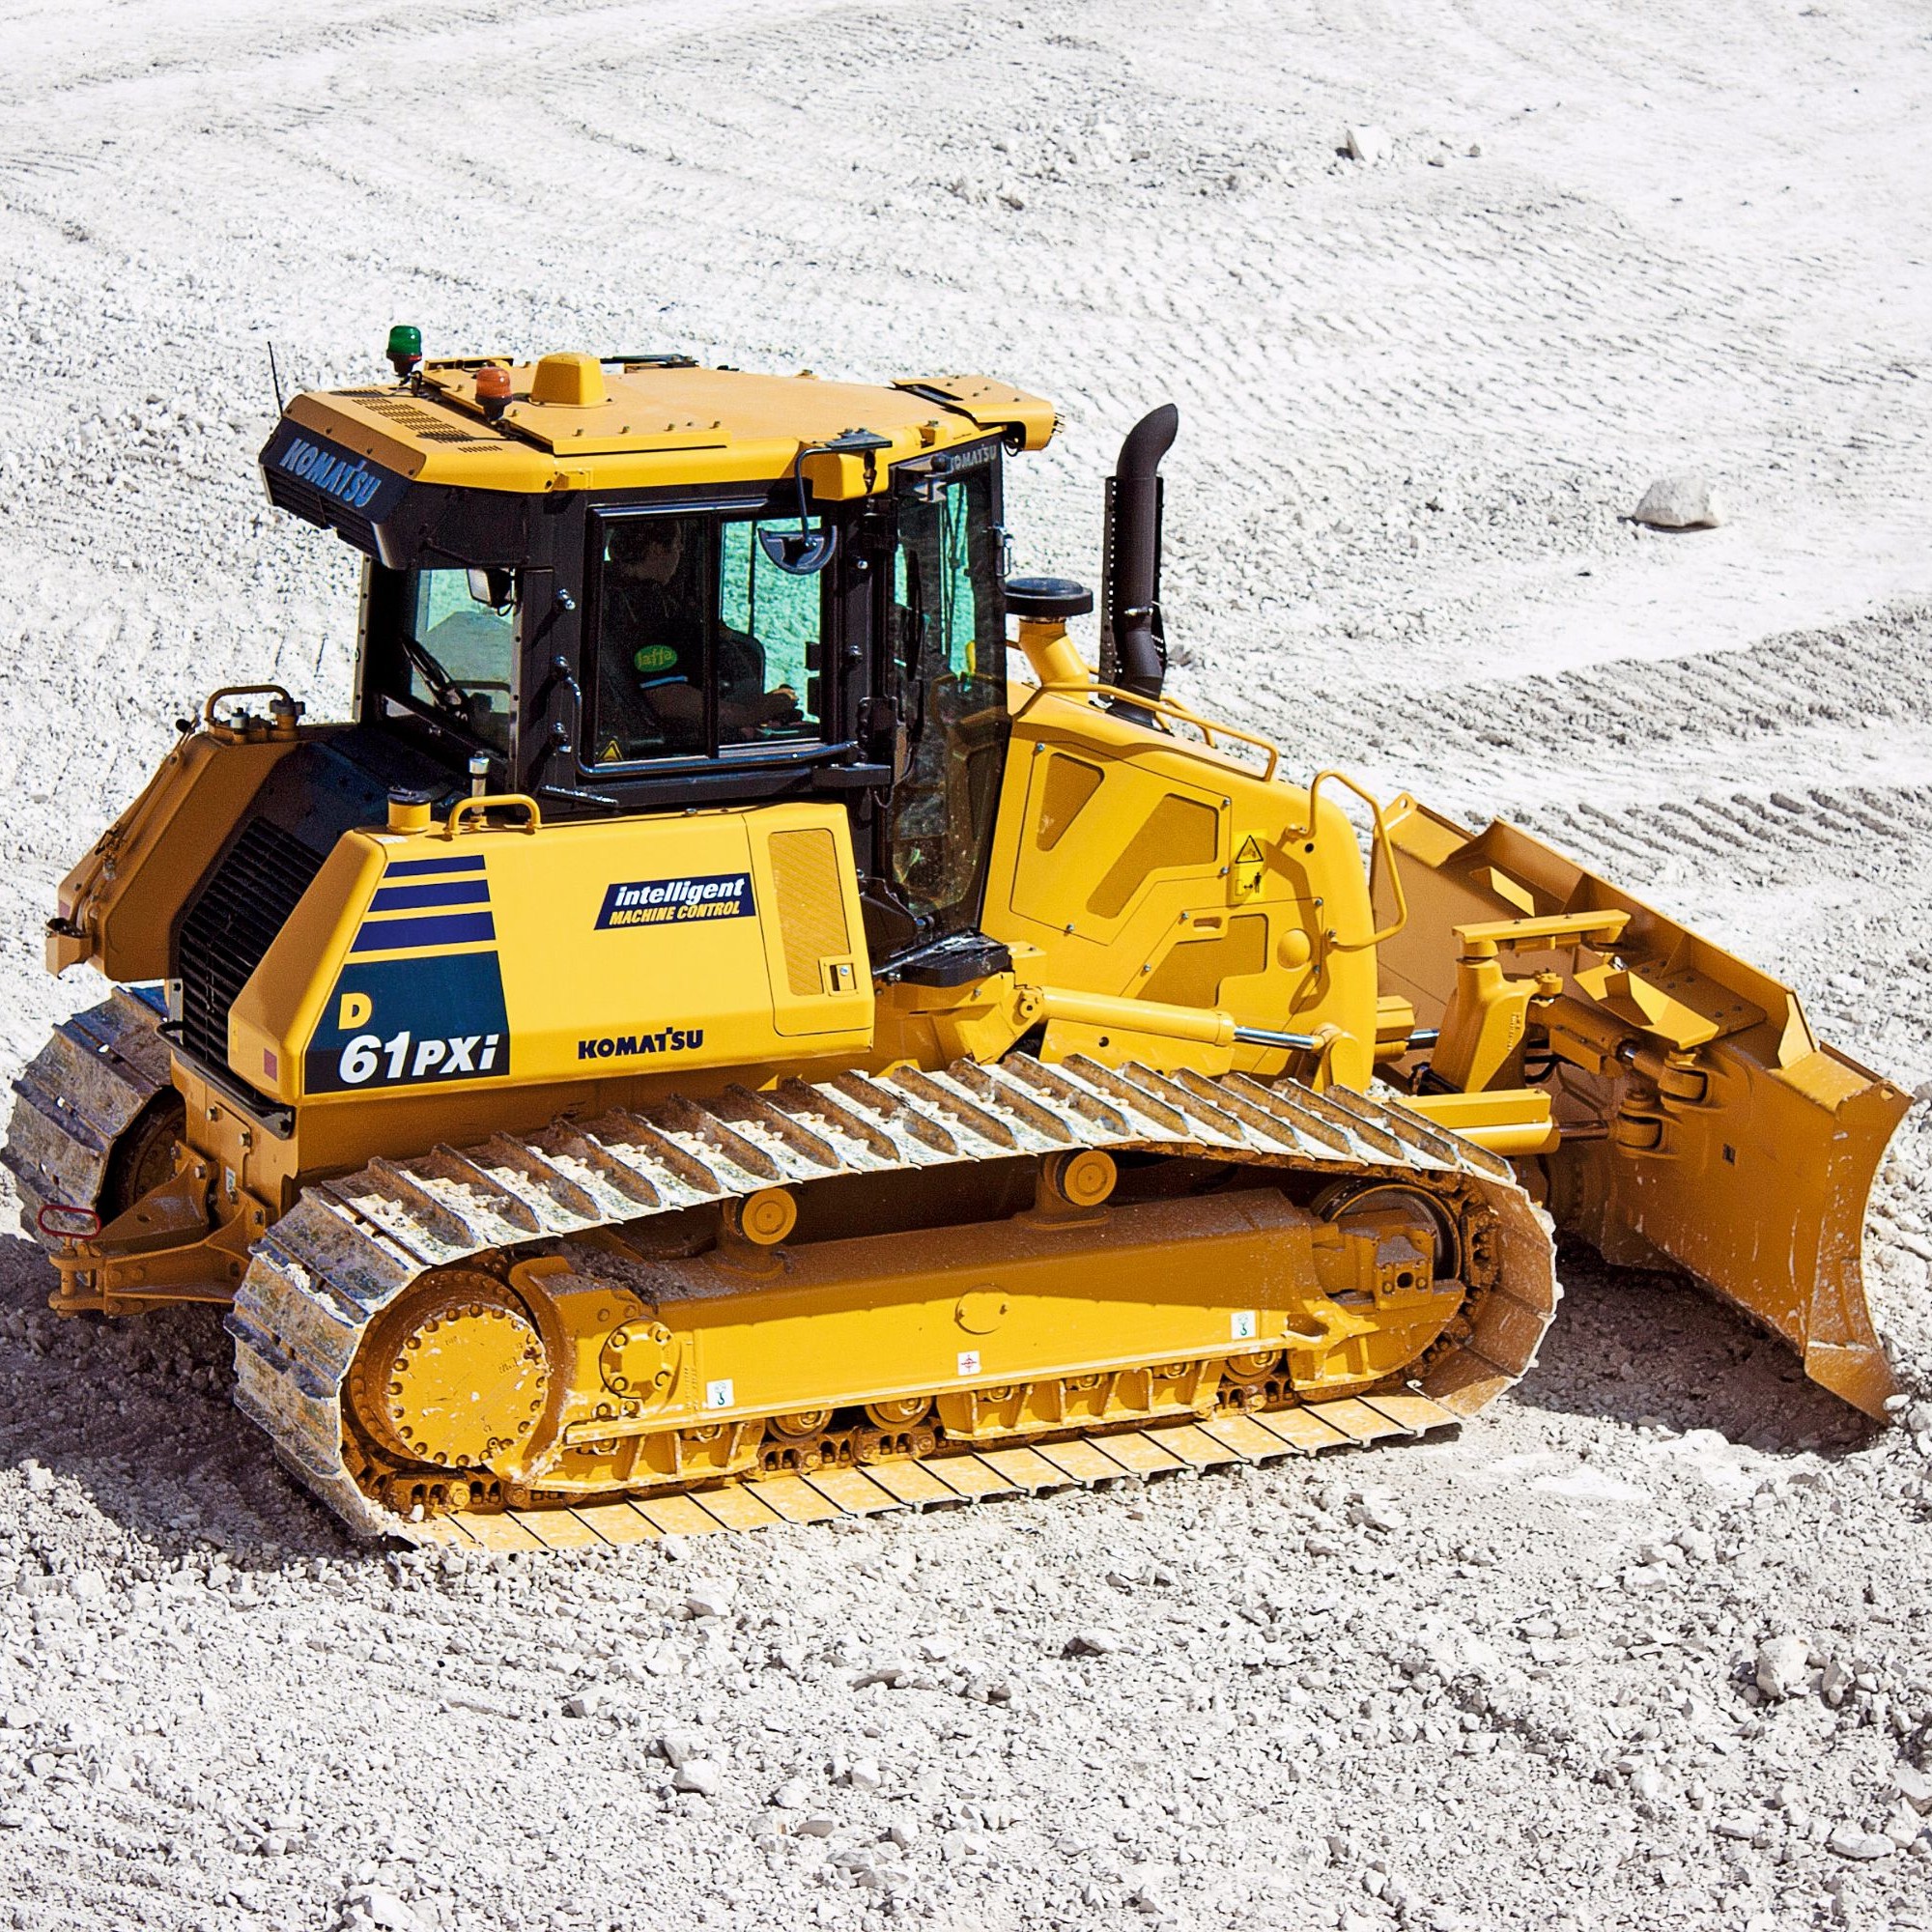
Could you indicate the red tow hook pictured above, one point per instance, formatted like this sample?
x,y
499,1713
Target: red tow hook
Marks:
x,y
84,1222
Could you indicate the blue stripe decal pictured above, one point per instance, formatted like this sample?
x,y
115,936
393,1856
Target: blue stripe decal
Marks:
x,y
461,928
439,893
403,868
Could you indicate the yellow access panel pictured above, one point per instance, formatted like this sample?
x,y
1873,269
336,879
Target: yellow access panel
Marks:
x,y
532,953
1109,854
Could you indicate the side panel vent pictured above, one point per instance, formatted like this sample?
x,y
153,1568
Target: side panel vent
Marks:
x,y
232,924
810,907
1193,973
416,421
306,501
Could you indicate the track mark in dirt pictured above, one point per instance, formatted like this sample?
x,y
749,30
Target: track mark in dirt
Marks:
x,y
1876,669
1783,840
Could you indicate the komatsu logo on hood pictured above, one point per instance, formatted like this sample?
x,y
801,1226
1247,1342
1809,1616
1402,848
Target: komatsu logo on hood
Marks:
x,y
352,483
629,1045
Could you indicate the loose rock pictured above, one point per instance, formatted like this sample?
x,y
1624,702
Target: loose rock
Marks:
x,y
708,1599
1783,1667
1094,1643
377,1907
1685,502
1848,1842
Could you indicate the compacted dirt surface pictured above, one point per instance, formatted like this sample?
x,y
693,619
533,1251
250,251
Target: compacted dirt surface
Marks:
x,y
1650,1644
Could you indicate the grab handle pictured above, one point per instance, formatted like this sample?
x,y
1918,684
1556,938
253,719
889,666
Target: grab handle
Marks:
x,y
465,809
1382,845
287,706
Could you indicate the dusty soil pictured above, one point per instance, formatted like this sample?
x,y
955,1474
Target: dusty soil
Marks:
x,y
1525,1678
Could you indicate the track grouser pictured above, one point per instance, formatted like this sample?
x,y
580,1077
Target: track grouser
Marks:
x,y
731,1031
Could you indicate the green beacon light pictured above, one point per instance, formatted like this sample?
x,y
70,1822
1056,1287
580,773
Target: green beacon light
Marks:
x,y
406,350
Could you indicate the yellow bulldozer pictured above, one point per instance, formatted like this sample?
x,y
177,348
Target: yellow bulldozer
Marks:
x,y
714,1042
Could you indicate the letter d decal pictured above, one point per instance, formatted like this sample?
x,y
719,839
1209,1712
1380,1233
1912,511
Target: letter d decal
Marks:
x,y
355,1012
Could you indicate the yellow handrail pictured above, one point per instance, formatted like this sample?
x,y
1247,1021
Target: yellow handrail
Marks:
x,y
1382,842
1162,707
280,691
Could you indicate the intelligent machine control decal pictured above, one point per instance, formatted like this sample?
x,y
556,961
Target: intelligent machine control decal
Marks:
x,y
677,901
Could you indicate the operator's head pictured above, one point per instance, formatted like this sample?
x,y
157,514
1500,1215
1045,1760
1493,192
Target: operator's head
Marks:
x,y
648,550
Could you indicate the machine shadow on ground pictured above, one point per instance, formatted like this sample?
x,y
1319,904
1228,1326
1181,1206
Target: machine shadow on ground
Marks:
x,y
137,1413
1630,1345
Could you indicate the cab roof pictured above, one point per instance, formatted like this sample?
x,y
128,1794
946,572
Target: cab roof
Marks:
x,y
577,421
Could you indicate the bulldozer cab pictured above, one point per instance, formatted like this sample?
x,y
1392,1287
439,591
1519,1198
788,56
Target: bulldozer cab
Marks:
x,y
833,625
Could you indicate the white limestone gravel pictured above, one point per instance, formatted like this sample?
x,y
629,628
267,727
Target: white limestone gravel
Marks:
x,y
1518,1679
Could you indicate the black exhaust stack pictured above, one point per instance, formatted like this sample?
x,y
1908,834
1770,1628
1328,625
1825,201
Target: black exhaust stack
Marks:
x,y
1133,641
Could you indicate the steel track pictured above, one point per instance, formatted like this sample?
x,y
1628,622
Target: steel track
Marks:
x,y
78,1095
350,1246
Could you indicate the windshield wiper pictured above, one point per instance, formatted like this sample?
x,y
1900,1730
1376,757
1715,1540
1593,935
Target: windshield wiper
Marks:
x,y
449,694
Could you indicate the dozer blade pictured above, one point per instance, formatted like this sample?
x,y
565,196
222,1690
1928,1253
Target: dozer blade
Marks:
x,y
1705,1127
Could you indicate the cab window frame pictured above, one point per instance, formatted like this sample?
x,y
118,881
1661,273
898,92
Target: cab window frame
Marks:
x,y
385,674
973,466
711,756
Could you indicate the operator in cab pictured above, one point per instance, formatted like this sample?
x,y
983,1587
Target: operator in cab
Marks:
x,y
654,622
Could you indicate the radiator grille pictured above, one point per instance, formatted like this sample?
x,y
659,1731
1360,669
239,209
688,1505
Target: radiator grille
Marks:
x,y
811,911
231,926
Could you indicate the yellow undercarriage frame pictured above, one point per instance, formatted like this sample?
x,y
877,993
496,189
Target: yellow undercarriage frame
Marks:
x,y
1698,1124
609,1374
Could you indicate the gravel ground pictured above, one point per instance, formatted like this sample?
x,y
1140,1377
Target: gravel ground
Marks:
x,y
1649,1645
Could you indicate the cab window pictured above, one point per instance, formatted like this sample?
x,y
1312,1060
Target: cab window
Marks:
x,y
770,620
949,625
461,649
703,646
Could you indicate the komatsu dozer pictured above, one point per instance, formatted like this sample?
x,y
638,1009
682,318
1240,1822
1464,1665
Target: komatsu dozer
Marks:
x,y
728,1034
